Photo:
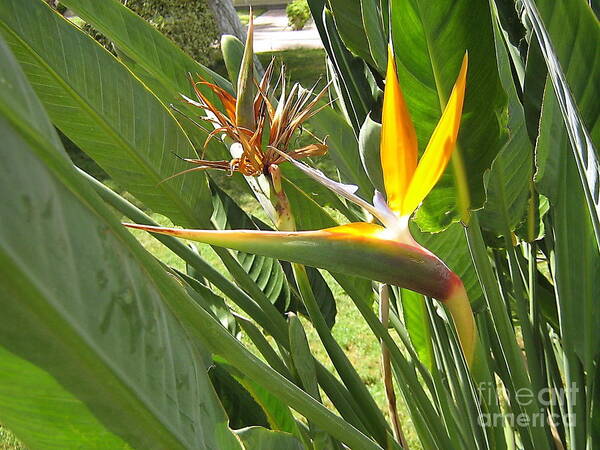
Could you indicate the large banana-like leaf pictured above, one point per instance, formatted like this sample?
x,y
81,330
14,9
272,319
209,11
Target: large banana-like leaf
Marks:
x,y
509,179
348,21
577,259
105,110
580,119
84,317
376,30
164,63
429,44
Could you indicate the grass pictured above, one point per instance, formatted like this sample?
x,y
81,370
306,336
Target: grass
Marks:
x,y
303,65
306,66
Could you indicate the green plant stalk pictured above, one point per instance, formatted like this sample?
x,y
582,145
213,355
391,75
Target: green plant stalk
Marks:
x,y
386,367
462,186
201,324
570,365
304,367
511,356
416,397
405,338
263,345
467,381
502,435
369,411
523,313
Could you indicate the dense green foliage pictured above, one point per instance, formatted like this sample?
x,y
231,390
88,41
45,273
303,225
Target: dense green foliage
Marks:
x,y
190,24
298,14
115,339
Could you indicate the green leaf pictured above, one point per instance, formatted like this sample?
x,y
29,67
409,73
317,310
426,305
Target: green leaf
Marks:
x,y
321,291
369,143
106,111
575,269
84,304
278,414
351,75
349,23
508,182
533,88
304,364
233,52
375,29
573,93
577,259
343,149
416,320
60,419
264,439
302,358
429,46
242,410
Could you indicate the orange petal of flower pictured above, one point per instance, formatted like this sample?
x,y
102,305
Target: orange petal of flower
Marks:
x,y
440,147
398,140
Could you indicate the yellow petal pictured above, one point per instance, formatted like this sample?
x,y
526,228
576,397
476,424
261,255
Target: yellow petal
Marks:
x,y
440,147
398,140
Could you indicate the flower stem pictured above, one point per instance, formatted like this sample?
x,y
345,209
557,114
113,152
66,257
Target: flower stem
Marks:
x,y
386,367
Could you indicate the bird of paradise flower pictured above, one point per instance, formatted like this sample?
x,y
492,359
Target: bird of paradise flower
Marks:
x,y
383,252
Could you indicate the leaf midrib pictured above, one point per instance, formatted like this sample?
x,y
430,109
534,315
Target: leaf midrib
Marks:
x,y
108,128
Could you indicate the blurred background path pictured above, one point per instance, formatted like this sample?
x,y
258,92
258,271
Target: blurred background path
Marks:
x,y
271,33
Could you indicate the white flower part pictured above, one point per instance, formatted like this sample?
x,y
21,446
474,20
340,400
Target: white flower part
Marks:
x,y
385,214
396,227
192,102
